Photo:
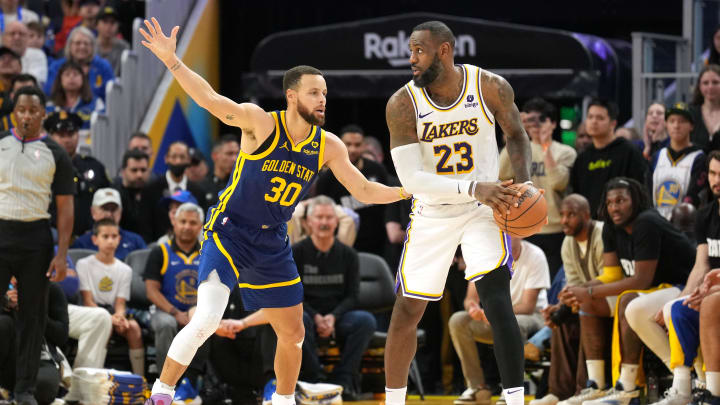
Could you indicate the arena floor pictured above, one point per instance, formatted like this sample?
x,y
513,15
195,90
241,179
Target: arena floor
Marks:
x,y
429,400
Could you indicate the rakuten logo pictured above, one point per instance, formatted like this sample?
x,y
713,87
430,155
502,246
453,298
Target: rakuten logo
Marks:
x,y
395,48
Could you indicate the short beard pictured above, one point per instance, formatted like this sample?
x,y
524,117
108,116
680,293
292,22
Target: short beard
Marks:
x,y
308,115
430,74
576,231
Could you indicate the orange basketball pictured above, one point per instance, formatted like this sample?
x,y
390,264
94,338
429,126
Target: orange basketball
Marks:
x,y
528,217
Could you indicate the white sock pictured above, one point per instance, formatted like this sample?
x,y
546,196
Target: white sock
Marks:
x,y
514,396
278,399
628,375
161,388
681,380
137,361
395,396
713,382
596,372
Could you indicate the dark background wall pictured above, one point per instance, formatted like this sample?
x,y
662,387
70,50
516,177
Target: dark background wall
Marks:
x,y
244,24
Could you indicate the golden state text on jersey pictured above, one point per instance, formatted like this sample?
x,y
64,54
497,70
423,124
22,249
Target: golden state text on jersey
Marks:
x,y
265,187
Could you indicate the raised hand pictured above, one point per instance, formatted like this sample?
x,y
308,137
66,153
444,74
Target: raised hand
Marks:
x,y
156,41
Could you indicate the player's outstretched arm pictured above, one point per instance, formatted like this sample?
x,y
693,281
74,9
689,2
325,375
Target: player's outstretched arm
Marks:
x,y
500,97
365,191
228,111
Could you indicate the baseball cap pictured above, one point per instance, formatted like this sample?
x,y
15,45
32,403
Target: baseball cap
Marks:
x,y
5,50
679,108
62,121
106,195
181,196
108,12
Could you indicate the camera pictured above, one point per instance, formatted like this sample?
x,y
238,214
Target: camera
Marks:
x,y
562,315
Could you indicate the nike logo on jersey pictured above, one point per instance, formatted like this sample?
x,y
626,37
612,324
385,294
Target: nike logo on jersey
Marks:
x,y
421,116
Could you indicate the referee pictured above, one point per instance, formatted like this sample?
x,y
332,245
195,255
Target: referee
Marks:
x,y
33,169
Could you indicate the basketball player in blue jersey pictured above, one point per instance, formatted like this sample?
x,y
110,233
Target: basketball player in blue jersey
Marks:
x,y
245,240
442,139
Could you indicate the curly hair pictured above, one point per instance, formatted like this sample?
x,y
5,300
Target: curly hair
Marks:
x,y
641,200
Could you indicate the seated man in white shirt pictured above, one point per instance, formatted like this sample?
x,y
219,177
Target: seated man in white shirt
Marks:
x,y
531,277
33,60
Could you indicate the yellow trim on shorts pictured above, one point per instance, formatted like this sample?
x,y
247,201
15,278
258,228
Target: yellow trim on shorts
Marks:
x,y
226,254
402,261
502,258
272,285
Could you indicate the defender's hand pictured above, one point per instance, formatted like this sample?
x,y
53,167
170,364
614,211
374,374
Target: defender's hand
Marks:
x,y
155,40
496,195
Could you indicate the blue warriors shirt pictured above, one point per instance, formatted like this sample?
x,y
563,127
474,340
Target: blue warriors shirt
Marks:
x,y
179,276
265,187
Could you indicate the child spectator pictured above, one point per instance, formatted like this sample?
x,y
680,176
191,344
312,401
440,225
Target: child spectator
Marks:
x,y
105,282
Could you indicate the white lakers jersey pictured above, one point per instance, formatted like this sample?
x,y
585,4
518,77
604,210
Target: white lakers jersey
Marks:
x,y
457,141
671,180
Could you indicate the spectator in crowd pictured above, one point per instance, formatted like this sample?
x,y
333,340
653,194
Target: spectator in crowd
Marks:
x,y
90,174
106,203
36,39
371,234
224,154
71,92
105,282
608,157
373,146
681,316
80,49
655,136
198,169
582,256
243,356
109,45
631,134
171,204
679,169
10,66
331,280
643,253
171,280
709,331
527,290
550,170
7,119
42,172
33,60
705,109
141,141
70,19
298,228
88,11
56,334
10,10
138,202
582,138
177,160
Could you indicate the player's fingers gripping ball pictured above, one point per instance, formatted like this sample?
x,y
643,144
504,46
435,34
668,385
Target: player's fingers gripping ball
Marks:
x,y
528,217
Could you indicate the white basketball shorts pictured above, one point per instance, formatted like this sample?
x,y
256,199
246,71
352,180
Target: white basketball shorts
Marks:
x,y
433,235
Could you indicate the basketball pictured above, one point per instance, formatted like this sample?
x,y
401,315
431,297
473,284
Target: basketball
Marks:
x,y
528,217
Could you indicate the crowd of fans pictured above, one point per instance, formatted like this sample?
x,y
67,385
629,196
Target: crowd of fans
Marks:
x,y
629,259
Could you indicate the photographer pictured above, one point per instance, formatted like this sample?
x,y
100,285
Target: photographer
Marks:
x,y
582,256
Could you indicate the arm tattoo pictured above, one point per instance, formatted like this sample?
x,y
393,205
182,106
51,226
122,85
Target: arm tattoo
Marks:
x,y
400,117
175,67
229,117
518,145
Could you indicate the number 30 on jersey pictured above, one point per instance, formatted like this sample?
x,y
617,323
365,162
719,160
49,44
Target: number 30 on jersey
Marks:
x,y
466,163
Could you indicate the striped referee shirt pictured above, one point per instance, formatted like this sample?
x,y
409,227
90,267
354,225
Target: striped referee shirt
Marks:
x,y
31,172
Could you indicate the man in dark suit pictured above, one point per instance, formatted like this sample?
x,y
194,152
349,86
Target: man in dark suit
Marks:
x,y
177,160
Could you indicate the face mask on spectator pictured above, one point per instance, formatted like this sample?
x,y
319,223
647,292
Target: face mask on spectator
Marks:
x,y
177,170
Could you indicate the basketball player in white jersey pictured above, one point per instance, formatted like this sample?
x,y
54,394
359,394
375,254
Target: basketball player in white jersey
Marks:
x,y
442,139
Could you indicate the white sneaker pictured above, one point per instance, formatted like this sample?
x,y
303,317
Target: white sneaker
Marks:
x,y
591,392
548,399
617,396
474,396
673,397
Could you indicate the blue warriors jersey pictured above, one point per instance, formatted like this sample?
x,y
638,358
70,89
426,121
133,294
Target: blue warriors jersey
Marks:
x,y
179,277
265,187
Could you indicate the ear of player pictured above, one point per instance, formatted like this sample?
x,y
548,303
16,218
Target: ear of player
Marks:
x,y
528,217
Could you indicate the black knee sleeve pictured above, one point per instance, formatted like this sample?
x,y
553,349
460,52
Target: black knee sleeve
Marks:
x,y
494,292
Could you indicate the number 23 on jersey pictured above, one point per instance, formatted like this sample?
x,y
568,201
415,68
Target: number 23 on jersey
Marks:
x,y
445,152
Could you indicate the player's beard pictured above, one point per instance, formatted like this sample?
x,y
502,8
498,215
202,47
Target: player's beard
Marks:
x,y
430,74
308,115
